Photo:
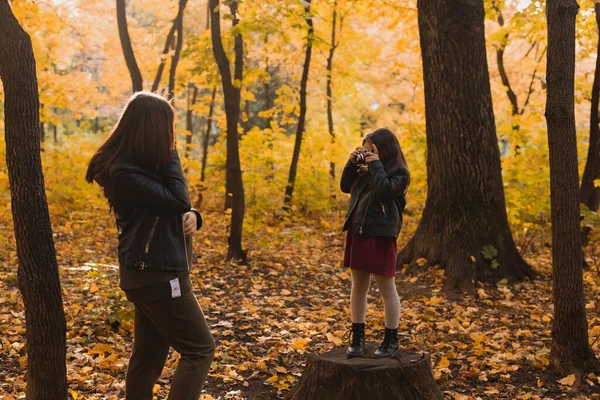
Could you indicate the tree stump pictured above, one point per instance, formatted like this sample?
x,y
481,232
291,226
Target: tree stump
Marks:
x,y
332,376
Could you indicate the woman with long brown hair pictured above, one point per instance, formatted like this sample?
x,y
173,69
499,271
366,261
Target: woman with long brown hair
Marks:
x,y
377,177
141,174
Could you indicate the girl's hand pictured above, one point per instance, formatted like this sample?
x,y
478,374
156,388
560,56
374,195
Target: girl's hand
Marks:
x,y
372,156
189,223
353,155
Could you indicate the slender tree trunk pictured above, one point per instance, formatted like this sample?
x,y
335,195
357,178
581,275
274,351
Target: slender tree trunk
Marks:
x,y
189,122
231,94
178,46
329,90
464,227
134,70
269,134
590,193
55,132
570,346
163,56
38,277
289,190
206,137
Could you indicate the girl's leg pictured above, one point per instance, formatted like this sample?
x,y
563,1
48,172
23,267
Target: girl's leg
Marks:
x,y
358,297
391,300
150,352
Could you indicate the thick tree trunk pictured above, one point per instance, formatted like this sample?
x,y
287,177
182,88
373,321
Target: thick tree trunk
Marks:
x,y
289,189
189,122
234,184
332,376
134,70
38,277
206,137
464,227
590,193
329,89
570,346
175,59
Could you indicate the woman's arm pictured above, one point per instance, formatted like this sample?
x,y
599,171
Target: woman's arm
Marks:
x,y
348,177
168,196
388,187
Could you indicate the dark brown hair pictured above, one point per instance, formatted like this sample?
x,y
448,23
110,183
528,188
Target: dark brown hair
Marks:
x,y
389,149
144,136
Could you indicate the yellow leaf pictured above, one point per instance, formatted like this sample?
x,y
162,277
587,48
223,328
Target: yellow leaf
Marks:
x,y
334,339
444,363
421,262
300,343
413,279
281,369
567,380
100,348
477,337
273,379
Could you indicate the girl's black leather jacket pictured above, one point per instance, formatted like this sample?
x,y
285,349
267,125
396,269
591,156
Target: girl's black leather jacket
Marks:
x,y
149,207
377,198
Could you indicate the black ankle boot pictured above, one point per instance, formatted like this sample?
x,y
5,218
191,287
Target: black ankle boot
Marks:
x,y
357,340
389,345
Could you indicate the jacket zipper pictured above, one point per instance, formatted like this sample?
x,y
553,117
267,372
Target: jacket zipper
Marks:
x,y
360,230
187,261
147,248
383,209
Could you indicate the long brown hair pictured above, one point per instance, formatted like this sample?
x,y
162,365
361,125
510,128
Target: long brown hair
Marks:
x,y
390,152
144,136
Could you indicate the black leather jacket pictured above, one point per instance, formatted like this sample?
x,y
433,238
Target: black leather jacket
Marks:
x,y
149,207
378,199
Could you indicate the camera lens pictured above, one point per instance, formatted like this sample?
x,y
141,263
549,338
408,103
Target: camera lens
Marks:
x,y
360,158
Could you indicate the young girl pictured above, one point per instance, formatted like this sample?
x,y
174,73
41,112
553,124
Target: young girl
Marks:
x,y
144,184
377,178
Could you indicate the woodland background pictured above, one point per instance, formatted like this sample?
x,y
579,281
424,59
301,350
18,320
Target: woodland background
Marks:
x,y
290,296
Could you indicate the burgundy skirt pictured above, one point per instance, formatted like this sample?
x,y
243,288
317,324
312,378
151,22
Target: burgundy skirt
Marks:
x,y
372,254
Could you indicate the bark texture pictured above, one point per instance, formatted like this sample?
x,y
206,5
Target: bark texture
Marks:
x,y
332,376
590,193
464,221
132,66
205,139
38,270
189,121
178,23
231,94
570,346
329,88
289,190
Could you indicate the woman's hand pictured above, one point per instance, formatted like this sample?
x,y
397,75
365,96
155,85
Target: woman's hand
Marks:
x,y
353,155
189,223
372,156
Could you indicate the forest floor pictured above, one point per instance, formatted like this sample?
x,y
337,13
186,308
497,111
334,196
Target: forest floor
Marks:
x,y
290,300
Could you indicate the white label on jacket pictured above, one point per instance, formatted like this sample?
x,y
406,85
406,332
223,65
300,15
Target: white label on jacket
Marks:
x,y
175,288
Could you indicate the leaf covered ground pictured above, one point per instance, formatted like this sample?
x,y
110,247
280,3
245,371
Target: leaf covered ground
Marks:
x,y
291,299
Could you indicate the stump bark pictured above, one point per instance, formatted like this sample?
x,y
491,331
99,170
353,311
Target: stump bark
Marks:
x,y
332,376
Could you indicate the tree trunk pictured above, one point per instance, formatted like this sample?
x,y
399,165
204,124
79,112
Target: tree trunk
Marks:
x,y
289,190
175,59
269,134
464,227
332,376
570,346
189,122
134,70
207,135
55,133
329,90
38,277
234,184
590,193
163,56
